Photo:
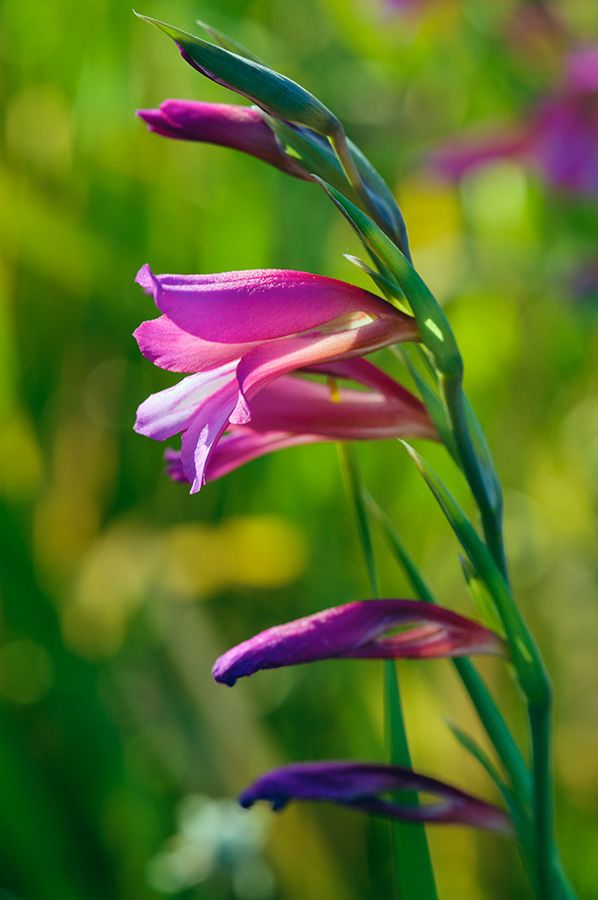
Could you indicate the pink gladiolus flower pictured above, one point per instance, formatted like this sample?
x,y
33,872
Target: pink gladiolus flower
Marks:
x,y
239,331
238,127
359,784
560,137
292,411
360,630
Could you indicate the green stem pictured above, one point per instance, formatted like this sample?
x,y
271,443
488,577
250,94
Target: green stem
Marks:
x,y
532,675
490,509
414,874
540,726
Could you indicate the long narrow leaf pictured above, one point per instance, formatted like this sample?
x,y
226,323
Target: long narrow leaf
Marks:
x,y
519,815
413,865
228,43
414,873
386,286
526,657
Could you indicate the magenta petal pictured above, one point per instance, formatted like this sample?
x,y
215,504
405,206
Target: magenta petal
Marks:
x,y
291,410
171,348
215,123
358,784
357,631
258,305
262,325
235,449
271,360
239,447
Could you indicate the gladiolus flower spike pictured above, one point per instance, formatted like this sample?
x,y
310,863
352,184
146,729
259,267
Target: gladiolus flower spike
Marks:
x,y
359,784
360,630
236,333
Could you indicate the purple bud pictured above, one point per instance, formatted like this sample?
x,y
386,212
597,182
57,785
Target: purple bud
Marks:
x,y
360,630
359,784
238,127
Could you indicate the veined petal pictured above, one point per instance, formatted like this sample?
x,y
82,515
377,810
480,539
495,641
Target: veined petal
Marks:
x,y
359,630
173,410
294,404
359,784
366,373
260,305
271,360
291,411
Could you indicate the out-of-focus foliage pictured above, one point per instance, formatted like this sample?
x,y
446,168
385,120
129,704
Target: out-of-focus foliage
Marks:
x,y
118,754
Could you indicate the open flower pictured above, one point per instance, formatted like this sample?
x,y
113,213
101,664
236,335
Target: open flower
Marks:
x,y
292,411
359,784
239,331
238,127
559,137
365,629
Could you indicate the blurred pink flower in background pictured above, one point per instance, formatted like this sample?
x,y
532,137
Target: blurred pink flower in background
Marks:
x,y
559,138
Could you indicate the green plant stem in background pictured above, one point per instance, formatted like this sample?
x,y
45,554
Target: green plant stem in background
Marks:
x,y
413,865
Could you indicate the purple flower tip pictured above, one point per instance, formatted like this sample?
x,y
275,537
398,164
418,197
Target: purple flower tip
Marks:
x,y
360,630
360,784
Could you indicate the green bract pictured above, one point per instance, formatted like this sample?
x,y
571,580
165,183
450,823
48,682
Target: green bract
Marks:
x,y
280,96
435,330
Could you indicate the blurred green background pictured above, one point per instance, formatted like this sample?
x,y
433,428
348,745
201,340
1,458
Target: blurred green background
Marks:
x,y
119,757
